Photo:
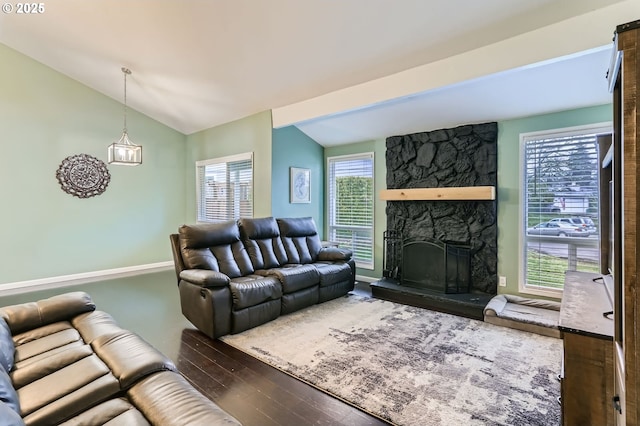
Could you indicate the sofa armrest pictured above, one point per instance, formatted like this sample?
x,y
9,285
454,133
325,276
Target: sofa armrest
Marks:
x,y
205,277
334,253
167,399
130,357
27,316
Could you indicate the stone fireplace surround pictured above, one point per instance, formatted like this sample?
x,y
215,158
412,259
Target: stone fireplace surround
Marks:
x,y
456,157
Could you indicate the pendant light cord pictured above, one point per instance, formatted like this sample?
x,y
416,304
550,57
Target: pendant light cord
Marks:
x,y
125,71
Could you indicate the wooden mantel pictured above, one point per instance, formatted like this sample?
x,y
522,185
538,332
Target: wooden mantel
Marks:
x,y
460,193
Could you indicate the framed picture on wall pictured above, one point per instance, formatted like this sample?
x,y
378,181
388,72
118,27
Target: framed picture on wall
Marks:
x,y
300,191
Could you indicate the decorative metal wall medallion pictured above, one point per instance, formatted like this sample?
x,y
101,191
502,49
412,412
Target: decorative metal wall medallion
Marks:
x,y
83,176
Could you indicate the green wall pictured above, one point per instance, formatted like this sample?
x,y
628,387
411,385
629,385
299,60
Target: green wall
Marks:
x,y
293,148
508,182
250,134
45,117
378,147
509,132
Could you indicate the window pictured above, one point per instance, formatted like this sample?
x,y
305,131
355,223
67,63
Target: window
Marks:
x,y
350,205
559,204
225,188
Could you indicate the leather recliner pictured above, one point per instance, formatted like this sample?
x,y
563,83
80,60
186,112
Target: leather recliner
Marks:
x,y
302,245
236,275
219,271
63,362
299,282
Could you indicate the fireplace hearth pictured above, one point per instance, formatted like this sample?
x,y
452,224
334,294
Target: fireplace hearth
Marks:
x,y
429,274
470,305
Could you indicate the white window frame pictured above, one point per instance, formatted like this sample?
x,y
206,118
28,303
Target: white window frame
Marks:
x,y
228,159
331,203
598,128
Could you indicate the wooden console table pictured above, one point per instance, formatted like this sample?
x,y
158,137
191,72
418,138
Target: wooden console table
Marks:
x,y
587,367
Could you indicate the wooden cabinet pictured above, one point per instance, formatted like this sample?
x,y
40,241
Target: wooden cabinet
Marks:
x,y
624,78
587,382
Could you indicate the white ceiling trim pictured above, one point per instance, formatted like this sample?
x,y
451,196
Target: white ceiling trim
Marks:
x,y
578,34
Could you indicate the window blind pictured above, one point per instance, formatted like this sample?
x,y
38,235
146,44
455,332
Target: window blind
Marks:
x,y
225,188
351,204
560,207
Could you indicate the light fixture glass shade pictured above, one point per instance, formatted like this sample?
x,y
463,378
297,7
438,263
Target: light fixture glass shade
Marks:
x,y
124,152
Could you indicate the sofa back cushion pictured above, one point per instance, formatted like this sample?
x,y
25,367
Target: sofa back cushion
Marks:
x,y
262,239
61,307
300,239
215,246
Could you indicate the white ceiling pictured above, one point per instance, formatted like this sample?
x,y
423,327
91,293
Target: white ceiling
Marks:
x,y
197,63
540,89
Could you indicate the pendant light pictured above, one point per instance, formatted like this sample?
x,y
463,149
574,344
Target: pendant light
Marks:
x,y
124,152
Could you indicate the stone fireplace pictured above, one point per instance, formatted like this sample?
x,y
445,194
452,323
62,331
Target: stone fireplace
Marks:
x,y
463,156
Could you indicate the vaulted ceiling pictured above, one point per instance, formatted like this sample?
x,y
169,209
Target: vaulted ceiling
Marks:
x,y
332,67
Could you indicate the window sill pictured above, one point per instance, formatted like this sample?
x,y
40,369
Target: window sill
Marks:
x,y
541,291
368,266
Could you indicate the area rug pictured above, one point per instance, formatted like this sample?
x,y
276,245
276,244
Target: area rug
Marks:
x,y
412,366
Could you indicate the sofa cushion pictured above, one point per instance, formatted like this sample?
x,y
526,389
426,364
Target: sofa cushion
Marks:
x,y
253,316
205,277
297,226
203,235
43,339
332,273
167,399
262,239
233,260
293,277
67,391
7,348
44,355
62,307
130,357
117,411
252,290
95,324
258,228
215,246
37,367
74,403
300,239
334,254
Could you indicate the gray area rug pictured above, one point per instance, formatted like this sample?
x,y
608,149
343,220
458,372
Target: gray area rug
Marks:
x,y
412,366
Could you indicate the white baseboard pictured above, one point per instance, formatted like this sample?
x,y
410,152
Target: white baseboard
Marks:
x,y
17,287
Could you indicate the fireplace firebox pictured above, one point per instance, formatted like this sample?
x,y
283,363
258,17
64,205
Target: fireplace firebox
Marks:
x,y
438,266
442,267
429,274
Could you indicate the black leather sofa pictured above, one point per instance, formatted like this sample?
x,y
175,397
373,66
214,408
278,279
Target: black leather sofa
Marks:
x,y
236,275
63,362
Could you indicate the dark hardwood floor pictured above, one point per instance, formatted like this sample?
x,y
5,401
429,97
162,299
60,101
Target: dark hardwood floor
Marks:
x,y
253,392
256,393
